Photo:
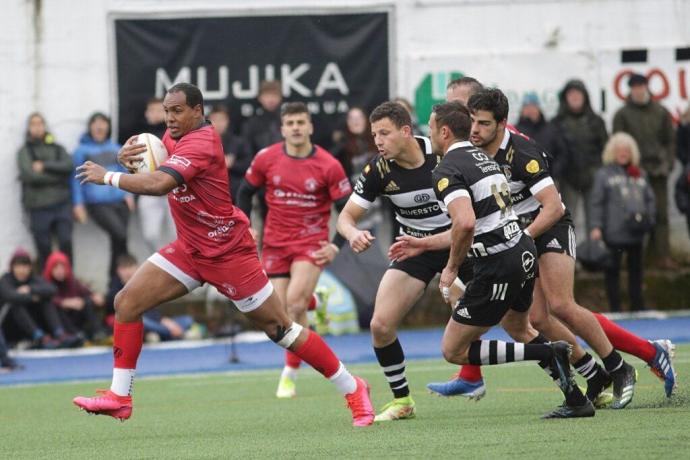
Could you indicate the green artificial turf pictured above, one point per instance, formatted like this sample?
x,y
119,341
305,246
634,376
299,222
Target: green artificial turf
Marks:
x,y
237,416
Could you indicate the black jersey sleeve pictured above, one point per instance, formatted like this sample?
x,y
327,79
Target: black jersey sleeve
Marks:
x,y
530,165
449,182
368,185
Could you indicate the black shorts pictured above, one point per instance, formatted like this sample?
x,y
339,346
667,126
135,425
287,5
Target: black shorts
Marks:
x,y
426,265
559,239
502,281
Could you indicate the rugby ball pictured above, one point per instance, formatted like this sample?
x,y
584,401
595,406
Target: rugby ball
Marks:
x,y
155,153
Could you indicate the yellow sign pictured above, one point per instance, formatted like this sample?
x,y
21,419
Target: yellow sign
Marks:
x,y
532,167
442,184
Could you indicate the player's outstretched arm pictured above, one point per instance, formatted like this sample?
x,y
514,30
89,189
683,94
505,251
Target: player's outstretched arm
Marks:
x,y
360,240
155,183
407,246
551,211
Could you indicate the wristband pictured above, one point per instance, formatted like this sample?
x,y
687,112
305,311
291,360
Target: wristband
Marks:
x,y
112,178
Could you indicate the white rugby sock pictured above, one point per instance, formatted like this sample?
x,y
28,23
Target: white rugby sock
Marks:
x,y
289,372
343,380
123,380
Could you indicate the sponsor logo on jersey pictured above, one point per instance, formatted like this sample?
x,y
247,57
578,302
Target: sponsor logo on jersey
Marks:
x,y
527,261
178,160
422,198
310,184
532,167
391,187
442,184
344,185
554,244
479,156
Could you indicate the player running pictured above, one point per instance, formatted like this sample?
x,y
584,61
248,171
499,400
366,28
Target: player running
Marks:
x,y
402,173
214,245
302,181
485,228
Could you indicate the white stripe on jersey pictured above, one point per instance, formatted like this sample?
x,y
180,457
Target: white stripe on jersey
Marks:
x,y
407,199
488,223
483,188
361,202
529,205
455,194
515,186
427,224
541,185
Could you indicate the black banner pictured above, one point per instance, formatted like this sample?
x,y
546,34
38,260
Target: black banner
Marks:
x,y
331,62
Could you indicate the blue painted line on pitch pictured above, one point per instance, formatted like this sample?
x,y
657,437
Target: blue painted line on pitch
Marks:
x,y
352,349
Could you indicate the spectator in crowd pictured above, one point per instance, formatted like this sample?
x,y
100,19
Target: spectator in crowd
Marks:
x,y
154,211
354,149
533,124
682,193
7,364
76,303
109,207
623,211
31,308
585,136
651,126
45,170
238,157
125,267
163,328
263,129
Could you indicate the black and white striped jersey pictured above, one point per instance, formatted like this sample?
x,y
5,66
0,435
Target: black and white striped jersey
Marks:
x,y
409,190
466,171
526,167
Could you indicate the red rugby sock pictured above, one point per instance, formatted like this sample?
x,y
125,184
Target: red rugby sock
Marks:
x,y
470,373
292,360
127,341
315,352
626,341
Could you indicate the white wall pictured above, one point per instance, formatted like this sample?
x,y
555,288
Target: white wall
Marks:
x,y
65,71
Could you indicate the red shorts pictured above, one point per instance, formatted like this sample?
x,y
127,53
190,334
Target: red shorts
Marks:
x,y
278,260
238,275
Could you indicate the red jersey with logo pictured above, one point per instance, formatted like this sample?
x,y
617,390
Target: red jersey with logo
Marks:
x,y
207,223
299,193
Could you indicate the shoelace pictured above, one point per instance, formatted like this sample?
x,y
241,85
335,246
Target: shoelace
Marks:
x,y
356,403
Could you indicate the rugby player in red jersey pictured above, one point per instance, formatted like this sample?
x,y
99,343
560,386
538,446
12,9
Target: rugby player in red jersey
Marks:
x,y
214,245
302,182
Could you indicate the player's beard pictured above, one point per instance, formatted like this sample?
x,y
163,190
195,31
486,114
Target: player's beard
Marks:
x,y
483,142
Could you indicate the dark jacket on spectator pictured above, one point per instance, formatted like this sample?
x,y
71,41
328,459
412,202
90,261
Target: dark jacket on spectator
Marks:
x,y
52,186
585,136
261,131
682,191
683,139
550,138
619,195
652,127
41,290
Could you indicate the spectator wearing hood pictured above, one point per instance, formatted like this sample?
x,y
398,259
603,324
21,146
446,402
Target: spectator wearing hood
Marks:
x,y
623,212
651,126
31,309
585,136
75,302
45,170
549,137
109,207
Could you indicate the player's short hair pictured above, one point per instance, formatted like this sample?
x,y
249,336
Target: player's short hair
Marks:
x,y
456,117
394,111
492,100
473,83
192,94
270,86
294,108
126,260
